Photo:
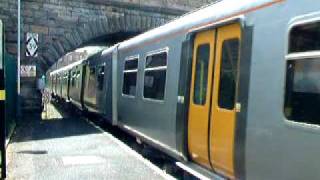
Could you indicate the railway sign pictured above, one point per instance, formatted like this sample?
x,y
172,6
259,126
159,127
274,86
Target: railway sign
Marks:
x,y
32,44
28,71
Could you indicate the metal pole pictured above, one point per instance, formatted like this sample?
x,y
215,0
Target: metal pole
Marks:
x,y
2,106
19,58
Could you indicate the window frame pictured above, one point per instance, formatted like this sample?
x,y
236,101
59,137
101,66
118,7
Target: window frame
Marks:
x,y
237,74
195,78
297,56
130,58
151,53
300,21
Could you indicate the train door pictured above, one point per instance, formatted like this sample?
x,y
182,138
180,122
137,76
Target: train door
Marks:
x,y
69,84
100,87
82,75
212,109
90,87
200,97
56,90
61,84
55,84
65,85
224,106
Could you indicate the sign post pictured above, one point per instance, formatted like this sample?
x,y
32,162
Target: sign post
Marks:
x,y
18,60
2,105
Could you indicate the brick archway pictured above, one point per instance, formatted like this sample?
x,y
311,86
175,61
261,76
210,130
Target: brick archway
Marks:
x,y
93,30
65,25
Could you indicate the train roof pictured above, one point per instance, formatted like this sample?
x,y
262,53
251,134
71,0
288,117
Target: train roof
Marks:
x,y
65,68
91,50
217,12
109,50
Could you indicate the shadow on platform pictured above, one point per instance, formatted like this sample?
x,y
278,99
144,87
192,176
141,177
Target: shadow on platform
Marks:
x,y
54,123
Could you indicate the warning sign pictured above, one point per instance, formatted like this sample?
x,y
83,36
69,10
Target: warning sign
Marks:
x,y
32,44
28,71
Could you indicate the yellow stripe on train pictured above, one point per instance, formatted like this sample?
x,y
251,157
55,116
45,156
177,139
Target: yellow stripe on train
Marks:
x,y
2,95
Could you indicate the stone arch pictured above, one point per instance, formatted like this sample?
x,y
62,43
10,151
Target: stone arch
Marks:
x,y
83,33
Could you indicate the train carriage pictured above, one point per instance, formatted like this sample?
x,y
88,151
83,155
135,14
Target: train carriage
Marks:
x,y
94,82
77,72
230,89
97,84
230,54
56,82
158,109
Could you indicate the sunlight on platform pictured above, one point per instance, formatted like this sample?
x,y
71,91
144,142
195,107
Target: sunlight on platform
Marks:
x,y
82,160
51,113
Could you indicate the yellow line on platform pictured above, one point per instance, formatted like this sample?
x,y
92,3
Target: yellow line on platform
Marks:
x,y
2,95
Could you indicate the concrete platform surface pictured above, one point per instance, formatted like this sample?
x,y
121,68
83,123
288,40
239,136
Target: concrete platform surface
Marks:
x,y
58,146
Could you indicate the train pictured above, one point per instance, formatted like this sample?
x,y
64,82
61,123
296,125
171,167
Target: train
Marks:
x,y
231,90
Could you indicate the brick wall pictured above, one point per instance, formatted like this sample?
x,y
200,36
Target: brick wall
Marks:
x,y
64,25
53,19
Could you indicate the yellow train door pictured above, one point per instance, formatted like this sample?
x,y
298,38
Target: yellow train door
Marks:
x,y
212,106
224,105
200,97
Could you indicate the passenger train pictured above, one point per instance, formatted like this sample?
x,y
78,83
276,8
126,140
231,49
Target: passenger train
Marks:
x,y
231,90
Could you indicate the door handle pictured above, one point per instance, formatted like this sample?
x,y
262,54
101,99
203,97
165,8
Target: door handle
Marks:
x,y
238,107
181,99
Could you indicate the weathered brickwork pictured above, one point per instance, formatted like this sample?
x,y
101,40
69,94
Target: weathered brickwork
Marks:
x,y
64,25
62,28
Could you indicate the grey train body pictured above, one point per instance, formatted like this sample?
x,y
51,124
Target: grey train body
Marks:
x,y
268,145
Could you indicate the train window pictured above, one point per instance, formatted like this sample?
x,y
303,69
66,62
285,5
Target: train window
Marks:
x,y
305,37
66,76
100,78
131,64
92,80
228,74
201,74
159,60
92,73
155,76
130,77
302,98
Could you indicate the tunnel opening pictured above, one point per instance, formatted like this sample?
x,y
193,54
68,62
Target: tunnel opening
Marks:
x,y
110,39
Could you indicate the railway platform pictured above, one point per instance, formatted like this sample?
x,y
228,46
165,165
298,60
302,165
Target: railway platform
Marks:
x,y
57,145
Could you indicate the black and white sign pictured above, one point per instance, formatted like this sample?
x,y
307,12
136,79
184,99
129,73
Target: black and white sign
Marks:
x,y
32,45
28,71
